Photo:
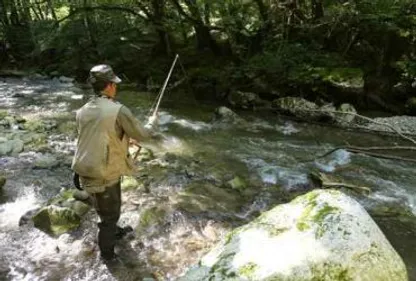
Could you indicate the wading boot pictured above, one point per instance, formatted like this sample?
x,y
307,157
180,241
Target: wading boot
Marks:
x,y
121,232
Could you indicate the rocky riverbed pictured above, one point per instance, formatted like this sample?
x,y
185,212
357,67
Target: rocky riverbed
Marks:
x,y
212,175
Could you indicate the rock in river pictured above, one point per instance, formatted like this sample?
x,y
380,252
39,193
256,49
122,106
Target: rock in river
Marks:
x,y
323,235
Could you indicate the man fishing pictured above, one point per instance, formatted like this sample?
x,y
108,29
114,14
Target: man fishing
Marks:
x,y
105,128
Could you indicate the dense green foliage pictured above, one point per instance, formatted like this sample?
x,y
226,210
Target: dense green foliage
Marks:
x,y
360,51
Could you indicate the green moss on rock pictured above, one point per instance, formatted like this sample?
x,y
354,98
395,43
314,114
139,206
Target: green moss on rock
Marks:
x,y
56,220
248,270
150,217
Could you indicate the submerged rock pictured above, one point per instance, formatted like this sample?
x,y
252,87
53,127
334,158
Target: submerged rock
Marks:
x,y
11,147
236,183
46,161
323,235
225,115
151,218
199,197
56,220
310,111
245,100
129,182
2,181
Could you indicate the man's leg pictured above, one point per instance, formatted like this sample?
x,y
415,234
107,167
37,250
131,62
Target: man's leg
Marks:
x,y
108,204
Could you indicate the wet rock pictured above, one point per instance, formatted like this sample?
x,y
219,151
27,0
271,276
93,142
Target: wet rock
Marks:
x,y
46,161
38,76
346,115
71,199
68,128
236,183
27,217
323,235
80,208
81,195
56,220
129,183
11,121
226,115
310,111
2,181
11,147
54,73
244,100
297,107
150,218
199,197
18,95
410,106
327,112
145,155
64,79
40,126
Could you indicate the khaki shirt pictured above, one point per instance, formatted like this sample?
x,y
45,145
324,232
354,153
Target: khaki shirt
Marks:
x,y
127,124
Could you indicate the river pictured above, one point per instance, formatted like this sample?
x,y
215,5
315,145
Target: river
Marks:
x,y
270,154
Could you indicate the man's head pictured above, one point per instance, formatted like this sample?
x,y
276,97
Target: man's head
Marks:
x,y
103,80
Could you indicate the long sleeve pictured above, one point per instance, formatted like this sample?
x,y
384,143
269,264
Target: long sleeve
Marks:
x,y
131,126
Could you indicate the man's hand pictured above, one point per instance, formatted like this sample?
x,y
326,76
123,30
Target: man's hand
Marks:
x,y
133,142
152,122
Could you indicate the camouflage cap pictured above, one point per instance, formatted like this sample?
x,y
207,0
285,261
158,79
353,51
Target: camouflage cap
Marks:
x,y
103,72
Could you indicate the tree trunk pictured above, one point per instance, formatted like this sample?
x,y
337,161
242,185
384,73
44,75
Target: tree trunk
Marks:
x,y
202,31
205,40
4,19
157,18
89,25
25,11
14,16
317,9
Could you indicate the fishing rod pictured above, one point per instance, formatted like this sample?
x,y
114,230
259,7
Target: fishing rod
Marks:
x,y
162,91
159,99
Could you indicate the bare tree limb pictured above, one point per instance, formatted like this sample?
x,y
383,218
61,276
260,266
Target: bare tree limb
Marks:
x,y
368,151
367,119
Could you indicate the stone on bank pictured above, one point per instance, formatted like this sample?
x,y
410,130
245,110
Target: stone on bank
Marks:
x,y
56,220
61,214
323,235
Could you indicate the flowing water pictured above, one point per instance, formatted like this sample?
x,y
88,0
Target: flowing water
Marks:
x,y
270,153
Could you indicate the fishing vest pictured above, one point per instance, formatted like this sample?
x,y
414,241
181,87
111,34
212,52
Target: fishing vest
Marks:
x,y
100,153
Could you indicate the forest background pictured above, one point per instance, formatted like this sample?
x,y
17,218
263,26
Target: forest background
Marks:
x,y
359,51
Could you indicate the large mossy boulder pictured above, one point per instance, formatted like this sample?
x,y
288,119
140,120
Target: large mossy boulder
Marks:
x,y
62,213
309,111
323,235
56,220
297,107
